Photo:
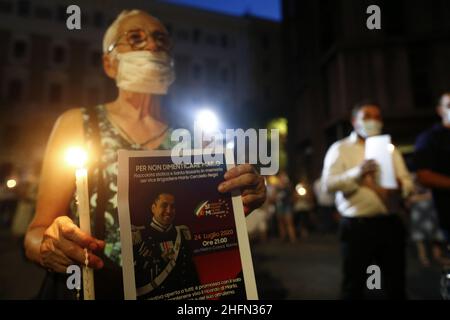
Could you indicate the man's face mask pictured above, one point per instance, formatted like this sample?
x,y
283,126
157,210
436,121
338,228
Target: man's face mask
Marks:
x,y
145,72
446,116
368,128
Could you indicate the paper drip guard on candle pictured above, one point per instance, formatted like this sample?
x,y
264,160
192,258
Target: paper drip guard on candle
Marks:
x,y
380,149
77,158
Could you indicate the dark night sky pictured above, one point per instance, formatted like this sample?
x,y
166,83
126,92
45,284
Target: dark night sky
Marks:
x,y
268,9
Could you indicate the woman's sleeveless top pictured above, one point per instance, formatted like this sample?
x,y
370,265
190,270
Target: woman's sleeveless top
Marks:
x,y
111,142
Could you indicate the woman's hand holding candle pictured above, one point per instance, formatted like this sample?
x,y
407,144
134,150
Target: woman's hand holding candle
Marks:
x,y
63,244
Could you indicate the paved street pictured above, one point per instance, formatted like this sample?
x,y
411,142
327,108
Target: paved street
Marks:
x,y
311,270
307,270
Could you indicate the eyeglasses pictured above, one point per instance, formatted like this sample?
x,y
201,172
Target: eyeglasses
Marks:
x,y
137,39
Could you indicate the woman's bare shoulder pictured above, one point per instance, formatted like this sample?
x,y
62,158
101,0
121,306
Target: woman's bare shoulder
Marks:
x,y
71,116
69,125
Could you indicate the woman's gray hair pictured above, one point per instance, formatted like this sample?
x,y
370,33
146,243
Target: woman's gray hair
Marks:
x,y
111,33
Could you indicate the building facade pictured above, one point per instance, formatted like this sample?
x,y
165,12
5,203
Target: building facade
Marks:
x,y
227,63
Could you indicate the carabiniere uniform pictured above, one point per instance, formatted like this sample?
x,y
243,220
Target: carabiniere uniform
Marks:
x,y
163,260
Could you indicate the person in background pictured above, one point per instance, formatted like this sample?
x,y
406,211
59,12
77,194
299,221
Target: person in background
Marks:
x,y
285,214
325,207
432,160
371,231
258,222
9,194
425,230
27,200
303,211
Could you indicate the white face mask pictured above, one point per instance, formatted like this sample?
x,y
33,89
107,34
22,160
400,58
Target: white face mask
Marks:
x,y
145,72
368,128
447,116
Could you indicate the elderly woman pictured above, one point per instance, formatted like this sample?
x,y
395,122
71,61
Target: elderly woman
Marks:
x,y
137,54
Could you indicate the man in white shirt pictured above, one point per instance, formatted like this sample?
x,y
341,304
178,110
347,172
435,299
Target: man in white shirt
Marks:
x,y
372,232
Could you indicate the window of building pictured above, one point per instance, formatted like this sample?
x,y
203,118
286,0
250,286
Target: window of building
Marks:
x,y
224,41
55,93
6,6
169,28
59,55
43,13
265,41
197,72
211,70
20,48
196,36
182,35
14,92
99,19
23,8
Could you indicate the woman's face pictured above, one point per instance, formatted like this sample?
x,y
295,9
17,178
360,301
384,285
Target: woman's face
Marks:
x,y
148,25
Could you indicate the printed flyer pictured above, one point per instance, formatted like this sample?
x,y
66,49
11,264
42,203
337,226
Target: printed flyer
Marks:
x,y
181,238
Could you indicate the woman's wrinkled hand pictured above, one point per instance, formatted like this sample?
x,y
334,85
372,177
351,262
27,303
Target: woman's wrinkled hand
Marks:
x,y
251,184
64,244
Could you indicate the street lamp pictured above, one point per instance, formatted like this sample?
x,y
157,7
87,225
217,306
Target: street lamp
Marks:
x,y
11,183
206,121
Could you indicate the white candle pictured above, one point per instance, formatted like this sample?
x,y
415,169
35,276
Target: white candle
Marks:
x,y
85,226
77,157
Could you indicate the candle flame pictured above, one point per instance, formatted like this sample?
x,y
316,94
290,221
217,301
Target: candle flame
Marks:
x,y
76,157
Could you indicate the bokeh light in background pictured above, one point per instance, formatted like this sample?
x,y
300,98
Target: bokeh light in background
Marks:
x,y
282,125
301,190
11,183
